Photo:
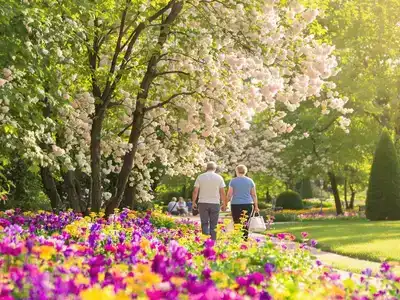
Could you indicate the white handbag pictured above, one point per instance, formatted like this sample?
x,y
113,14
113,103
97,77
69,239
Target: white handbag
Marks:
x,y
256,223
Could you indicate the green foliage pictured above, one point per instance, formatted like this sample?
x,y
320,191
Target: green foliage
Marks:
x,y
289,200
263,205
305,189
311,203
383,196
161,220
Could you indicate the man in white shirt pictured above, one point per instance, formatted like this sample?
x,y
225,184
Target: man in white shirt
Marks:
x,y
210,188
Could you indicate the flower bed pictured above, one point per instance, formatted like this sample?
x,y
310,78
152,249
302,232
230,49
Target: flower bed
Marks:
x,y
134,256
288,215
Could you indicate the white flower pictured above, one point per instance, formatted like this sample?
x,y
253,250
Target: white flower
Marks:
x,y
2,82
107,196
7,73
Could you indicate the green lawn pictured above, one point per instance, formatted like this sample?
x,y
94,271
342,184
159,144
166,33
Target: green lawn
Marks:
x,y
374,241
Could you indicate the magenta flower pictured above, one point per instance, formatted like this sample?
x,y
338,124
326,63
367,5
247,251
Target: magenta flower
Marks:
x,y
385,267
304,235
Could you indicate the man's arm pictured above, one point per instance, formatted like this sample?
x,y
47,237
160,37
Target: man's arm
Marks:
x,y
195,194
223,197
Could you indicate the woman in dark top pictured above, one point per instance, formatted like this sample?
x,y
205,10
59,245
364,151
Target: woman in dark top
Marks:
x,y
243,197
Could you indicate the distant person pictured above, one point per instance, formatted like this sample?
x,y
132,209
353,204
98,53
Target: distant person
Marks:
x,y
243,197
172,207
189,205
182,208
210,188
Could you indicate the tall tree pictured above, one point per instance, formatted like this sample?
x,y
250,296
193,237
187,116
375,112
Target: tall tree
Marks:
x,y
383,196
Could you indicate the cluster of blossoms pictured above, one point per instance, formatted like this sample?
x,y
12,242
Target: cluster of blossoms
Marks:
x,y
133,256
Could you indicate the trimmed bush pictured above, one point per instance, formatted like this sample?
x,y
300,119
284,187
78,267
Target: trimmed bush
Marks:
x,y
263,205
289,200
383,196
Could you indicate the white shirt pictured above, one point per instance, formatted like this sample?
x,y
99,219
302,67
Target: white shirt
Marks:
x,y
181,204
209,184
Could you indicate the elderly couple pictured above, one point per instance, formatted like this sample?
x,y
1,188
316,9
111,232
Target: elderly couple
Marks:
x,y
209,189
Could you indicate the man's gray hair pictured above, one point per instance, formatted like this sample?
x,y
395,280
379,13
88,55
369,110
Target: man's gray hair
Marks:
x,y
211,166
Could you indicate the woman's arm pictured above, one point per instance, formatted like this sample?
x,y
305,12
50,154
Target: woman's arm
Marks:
x,y
229,195
254,196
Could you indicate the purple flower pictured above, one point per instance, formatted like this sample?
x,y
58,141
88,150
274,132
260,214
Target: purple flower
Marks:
x,y
318,262
313,243
269,268
265,296
367,272
159,264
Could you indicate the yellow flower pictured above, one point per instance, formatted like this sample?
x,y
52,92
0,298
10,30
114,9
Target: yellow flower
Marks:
x,y
149,278
142,268
122,295
120,268
80,279
144,243
178,281
97,293
46,252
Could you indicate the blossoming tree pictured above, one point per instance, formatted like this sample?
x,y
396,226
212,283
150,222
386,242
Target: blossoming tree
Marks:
x,y
140,79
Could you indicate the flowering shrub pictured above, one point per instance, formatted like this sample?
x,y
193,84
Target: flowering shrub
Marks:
x,y
66,256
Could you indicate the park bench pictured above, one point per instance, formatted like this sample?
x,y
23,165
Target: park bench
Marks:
x,y
361,208
278,208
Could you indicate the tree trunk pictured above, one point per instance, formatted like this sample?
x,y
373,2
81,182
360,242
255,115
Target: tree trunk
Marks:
x,y
129,197
345,193
95,155
335,191
50,188
128,160
73,193
352,197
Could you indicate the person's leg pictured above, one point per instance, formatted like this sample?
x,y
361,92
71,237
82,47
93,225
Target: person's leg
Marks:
x,y
236,211
204,218
214,216
248,210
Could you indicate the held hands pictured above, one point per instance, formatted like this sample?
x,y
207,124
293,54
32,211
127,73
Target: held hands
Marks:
x,y
223,207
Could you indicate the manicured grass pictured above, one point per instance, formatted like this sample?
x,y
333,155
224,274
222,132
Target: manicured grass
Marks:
x,y
373,241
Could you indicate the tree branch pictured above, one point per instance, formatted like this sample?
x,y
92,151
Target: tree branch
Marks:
x,y
161,104
172,72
